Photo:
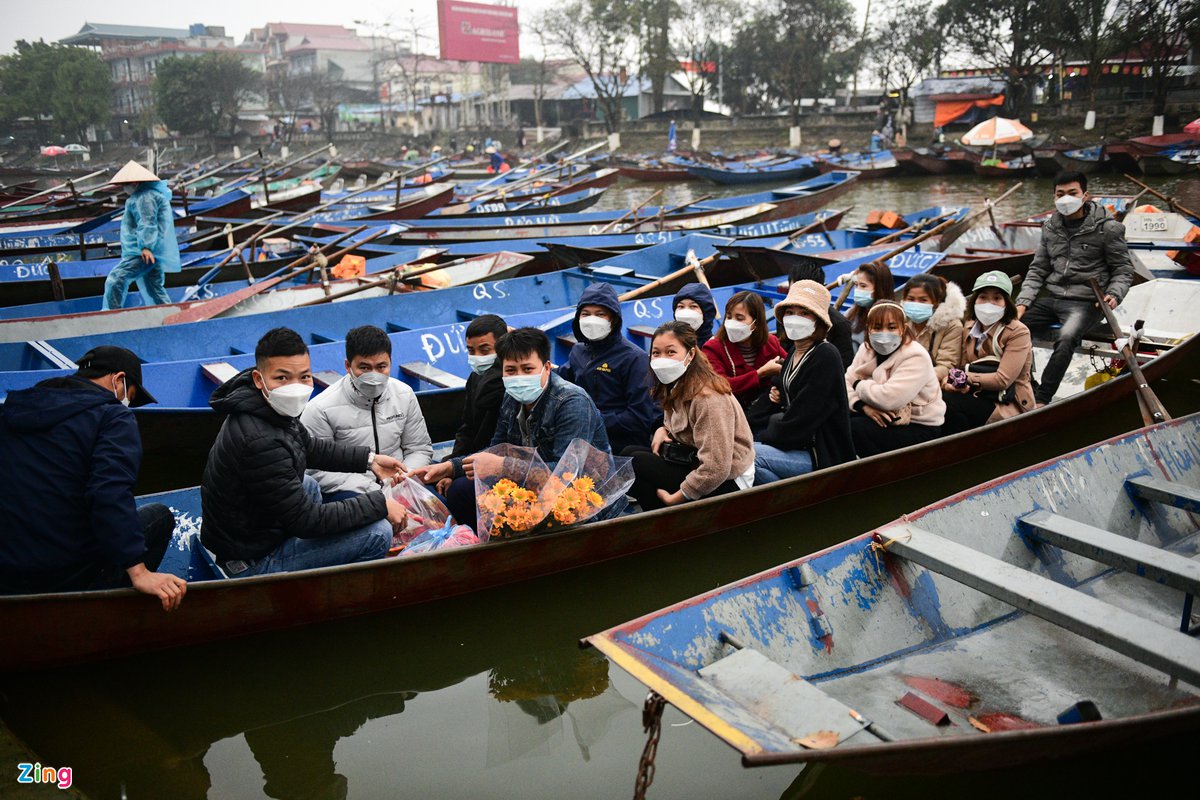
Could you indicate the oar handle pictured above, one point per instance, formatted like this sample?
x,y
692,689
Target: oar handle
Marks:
x,y
1168,200
1152,408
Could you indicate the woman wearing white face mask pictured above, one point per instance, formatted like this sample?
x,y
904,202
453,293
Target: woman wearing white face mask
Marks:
x,y
744,351
803,422
704,446
895,399
997,359
693,305
368,407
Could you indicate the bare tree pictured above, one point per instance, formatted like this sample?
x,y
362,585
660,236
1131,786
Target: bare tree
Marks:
x,y
700,32
904,45
598,36
1161,31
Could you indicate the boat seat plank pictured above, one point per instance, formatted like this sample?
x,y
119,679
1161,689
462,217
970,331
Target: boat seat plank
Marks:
x,y
1128,634
644,331
778,696
1170,493
52,354
395,327
1115,550
326,378
431,374
219,371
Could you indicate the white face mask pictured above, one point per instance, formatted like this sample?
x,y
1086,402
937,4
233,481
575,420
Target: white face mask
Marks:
x,y
1068,204
737,331
798,327
668,370
691,317
885,343
124,396
289,400
370,384
594,328
481,364
988,314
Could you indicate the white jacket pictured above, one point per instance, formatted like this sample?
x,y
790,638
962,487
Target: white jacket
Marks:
x,y
342,414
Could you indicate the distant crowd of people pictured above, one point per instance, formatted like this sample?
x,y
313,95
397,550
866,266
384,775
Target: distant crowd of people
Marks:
x,y
719,403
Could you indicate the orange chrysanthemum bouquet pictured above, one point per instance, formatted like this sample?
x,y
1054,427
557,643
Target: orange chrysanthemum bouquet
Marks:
x,y
521,496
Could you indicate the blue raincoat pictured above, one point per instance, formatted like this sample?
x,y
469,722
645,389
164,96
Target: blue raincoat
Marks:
x,y
149,222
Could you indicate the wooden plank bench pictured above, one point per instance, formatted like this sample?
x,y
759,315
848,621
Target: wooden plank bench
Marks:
x,y
644,331
326,378
219,371
1127,633
1115,550
1169,493
52,354
431,374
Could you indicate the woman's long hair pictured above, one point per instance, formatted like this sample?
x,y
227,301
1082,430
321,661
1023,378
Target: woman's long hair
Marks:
x,y
885,289
699,377
758,313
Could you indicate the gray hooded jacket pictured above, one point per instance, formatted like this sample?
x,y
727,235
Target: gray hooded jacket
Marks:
x,y
1065,261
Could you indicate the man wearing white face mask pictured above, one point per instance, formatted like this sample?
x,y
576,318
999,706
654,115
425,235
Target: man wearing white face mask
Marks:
x,y
1080,241
262,513
611,369
368,407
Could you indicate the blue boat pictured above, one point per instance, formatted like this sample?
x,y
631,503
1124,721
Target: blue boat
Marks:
x,y
743,172
218,338
974,633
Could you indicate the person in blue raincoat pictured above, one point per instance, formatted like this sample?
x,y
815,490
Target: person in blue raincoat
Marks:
x,y
671,137
149,249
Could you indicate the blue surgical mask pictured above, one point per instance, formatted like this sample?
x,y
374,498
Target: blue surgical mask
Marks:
x,y
525,389
863,297
481,364
918,312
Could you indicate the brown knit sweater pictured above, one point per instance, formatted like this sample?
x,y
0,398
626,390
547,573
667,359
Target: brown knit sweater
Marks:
x,y
716,426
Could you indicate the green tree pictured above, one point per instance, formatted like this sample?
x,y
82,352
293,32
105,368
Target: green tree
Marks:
x,y
63,89
810,53
1160,32
1013,37
700,35
655,18
82,91
204,94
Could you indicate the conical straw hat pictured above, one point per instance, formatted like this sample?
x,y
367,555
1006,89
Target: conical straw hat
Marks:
x,y
133,172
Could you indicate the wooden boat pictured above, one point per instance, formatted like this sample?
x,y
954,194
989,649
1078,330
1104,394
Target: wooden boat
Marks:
x,y
1005,169
739,172
1124,155
286,297
1032,617
1169,161
40,630
922,161
962,161
869,165
655,171
1088,160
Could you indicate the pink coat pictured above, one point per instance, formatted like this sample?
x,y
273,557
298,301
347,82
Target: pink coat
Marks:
x,y
905,380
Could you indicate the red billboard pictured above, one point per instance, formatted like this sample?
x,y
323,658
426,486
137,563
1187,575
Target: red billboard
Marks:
x,y
478,32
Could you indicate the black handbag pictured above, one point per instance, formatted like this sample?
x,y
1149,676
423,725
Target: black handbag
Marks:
x,y
680,454
987,366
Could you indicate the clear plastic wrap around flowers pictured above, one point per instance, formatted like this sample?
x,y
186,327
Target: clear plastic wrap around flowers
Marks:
x,y
429,525
518,495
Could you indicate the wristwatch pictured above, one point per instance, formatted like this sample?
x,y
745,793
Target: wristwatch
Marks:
x,y
370,460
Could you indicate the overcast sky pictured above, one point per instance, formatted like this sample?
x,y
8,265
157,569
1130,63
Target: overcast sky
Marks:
x,y
30,19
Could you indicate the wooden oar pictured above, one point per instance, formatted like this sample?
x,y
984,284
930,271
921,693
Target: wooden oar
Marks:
x,y
526,162
632,212
894,235
633,294
913,242
812,226
67,184
536,176
218,305
1152,408
220,169
394,277
1170,201
663,214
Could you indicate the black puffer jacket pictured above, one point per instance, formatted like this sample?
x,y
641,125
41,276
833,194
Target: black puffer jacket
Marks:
x,y
252,493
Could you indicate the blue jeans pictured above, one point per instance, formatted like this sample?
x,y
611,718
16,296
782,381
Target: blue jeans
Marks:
x,y
772,464
1077,317
365,544
149,276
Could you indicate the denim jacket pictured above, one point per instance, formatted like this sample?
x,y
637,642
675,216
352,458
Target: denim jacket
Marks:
x,y
563,412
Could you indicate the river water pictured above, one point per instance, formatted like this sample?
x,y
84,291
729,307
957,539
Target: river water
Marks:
x,y
490,695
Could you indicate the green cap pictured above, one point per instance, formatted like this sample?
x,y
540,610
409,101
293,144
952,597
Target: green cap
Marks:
x,y
994,280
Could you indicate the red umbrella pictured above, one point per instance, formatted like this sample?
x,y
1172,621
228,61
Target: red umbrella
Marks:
x,y
1192,127
54,150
